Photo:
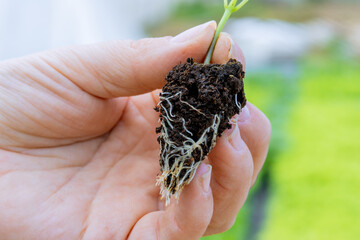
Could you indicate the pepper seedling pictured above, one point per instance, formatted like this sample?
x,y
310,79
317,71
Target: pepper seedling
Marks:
x,y
229,9
196,106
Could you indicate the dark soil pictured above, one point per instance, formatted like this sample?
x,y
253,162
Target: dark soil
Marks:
x,y
210,89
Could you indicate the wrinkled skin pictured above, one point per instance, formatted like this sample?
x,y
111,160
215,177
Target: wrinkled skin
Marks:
x,y
78,149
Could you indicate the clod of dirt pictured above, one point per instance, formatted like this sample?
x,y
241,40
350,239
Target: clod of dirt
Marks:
x,y
196,105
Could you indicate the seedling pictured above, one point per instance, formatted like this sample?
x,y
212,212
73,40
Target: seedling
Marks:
x,y
229,9
196,106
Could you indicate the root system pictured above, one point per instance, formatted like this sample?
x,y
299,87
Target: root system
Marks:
x,y
195,107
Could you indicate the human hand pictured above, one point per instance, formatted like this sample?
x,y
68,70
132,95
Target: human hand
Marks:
x,y
78,149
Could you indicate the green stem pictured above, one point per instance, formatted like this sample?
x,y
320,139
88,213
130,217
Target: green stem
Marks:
x,y
220,27
229,9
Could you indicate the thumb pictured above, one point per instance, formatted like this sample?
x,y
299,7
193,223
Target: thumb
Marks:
x,y
125,68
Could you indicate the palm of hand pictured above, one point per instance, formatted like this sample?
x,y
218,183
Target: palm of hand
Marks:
x,y
98,185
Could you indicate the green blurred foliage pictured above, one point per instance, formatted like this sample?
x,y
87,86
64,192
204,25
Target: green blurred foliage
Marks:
x,y
310,182
315,183
187,14
201,11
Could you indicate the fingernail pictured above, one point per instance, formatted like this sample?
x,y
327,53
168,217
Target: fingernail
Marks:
x,y
205,172
235,51
244,115
193,32
235,138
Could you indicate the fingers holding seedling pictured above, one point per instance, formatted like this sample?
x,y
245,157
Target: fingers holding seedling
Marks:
x,y
195,108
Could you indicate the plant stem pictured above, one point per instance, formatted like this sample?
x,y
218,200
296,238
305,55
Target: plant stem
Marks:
x,y
220,27
229,9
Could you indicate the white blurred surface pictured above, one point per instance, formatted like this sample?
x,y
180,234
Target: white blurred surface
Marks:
x,y
267,41
29,26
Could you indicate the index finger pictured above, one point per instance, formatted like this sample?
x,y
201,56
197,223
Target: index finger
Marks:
x,y
125,68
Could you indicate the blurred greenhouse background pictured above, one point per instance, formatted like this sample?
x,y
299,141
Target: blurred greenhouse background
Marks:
x,y
303,71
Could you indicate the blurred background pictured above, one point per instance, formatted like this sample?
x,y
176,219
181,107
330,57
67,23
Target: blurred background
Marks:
x,y
303,71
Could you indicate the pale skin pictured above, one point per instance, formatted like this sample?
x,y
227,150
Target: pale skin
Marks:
x,y
78,150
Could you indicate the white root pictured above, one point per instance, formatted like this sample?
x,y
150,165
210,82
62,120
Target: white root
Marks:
x,y
175,174
178,155
192,107
183,120
237,103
